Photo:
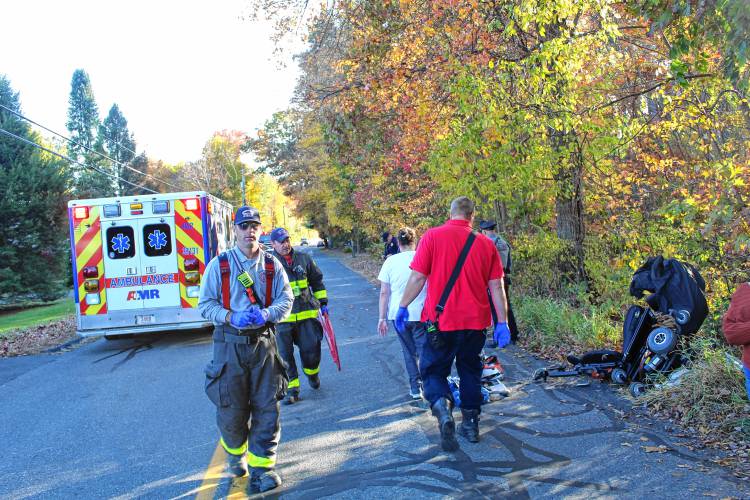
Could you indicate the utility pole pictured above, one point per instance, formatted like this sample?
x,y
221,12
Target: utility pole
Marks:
x,y
283,211
243,188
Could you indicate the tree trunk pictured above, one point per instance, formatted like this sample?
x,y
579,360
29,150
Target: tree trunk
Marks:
x,y
569,206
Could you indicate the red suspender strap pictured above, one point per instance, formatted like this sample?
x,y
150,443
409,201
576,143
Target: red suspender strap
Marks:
x,y
269,279
224,267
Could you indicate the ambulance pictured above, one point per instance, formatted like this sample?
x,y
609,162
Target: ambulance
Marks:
x,y
138,260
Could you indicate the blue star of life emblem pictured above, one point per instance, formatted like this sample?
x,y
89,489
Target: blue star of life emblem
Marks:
x,y
157,240
120,243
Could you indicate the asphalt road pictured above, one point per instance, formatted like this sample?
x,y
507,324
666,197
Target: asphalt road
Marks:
x,y
129,419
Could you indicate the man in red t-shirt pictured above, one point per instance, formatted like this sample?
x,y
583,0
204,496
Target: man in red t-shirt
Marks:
x,y
461,324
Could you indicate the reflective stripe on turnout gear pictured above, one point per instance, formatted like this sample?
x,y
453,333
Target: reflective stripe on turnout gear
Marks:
x,y
311,371
256,461
293,383
233,451
299,283
320,294
311,314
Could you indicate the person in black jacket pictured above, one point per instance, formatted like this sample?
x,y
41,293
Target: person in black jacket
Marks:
x,y
391,245
302,327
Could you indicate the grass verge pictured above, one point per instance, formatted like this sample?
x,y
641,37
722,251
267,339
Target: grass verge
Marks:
x,y
34,316
553,328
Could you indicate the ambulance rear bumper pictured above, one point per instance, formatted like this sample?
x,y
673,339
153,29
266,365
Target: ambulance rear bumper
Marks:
x,y
129,322
132,330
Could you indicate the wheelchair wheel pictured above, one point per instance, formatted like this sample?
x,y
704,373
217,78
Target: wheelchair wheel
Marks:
x,y
619,376
661,340
637,389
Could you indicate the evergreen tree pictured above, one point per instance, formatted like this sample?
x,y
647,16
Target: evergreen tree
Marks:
x,y
83,125
33,193
119,145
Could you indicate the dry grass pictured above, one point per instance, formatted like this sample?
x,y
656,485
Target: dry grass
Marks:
x,y
710,397
711,404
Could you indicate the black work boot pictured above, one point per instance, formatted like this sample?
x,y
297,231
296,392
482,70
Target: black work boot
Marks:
x,y
314,381
236,465
263,480
469,427
292,396
443,411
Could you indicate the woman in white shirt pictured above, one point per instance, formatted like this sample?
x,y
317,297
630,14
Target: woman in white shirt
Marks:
x,y
393,278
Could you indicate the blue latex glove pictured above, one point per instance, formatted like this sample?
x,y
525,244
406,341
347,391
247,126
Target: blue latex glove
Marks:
x,y
257,318
402,316
501,334
324,309
240,319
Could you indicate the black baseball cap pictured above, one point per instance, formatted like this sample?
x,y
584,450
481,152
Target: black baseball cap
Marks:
x,y
247,214
487,224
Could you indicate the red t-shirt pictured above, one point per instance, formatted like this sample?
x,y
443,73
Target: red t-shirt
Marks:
x,y
468,306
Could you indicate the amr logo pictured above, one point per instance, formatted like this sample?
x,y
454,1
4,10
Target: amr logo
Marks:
x,y
143,294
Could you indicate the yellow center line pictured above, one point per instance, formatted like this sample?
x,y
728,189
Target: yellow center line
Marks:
x,y
238,489
213,475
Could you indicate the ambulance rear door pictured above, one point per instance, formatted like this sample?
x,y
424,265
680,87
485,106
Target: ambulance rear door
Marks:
x,y
161,285
122,264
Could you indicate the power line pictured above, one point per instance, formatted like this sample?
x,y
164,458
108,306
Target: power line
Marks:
x,y
39,146
92,150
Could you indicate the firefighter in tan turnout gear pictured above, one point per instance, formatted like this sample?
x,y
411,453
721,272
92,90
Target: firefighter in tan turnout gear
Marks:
x,y
302,327
245,292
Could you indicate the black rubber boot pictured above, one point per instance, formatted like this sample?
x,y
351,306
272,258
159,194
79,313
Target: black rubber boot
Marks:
x,y
236,465
470,425
292,396
443,411
263,480
314,381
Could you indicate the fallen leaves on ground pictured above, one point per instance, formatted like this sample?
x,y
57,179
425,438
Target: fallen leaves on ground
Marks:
x,y
39,338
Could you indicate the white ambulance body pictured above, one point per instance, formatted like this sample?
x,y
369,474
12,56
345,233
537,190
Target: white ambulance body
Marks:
x,y
138,260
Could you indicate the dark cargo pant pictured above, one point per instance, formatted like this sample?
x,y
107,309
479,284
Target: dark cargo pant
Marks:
x,y
306,335
245,380
464,347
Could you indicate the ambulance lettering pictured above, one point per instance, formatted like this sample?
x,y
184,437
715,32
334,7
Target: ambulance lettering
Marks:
x,y
143,294
149,279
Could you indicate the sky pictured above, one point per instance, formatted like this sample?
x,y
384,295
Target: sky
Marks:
x,y
178,70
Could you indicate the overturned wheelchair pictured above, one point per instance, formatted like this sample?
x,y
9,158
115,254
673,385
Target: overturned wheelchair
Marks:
x,y
676,308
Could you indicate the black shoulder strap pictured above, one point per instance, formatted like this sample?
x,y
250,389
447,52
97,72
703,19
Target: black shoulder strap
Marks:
x,y
456,271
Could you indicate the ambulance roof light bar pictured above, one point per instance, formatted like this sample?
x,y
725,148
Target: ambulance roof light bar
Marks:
x,y
160,207
112,210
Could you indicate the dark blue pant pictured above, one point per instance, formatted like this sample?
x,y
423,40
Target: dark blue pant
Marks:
x,y
412,344
463,346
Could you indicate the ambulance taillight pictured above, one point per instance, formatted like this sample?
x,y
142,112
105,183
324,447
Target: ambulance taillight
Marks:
x,y
191,264
191,204
91,285
90,272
